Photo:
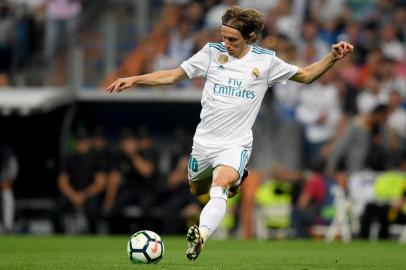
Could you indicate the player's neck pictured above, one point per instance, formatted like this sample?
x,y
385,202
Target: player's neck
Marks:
x,y
243,52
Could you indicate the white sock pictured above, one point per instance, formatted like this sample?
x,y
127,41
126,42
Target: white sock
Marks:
x,y
8,209
213,212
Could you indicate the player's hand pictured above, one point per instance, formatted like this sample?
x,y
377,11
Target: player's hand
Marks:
x,y
120,85
78,199
341,49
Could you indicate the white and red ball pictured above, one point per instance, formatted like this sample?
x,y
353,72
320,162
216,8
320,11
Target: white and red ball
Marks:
x,y
145,247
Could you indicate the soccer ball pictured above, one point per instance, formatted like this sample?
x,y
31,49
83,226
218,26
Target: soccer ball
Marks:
x,y
145,247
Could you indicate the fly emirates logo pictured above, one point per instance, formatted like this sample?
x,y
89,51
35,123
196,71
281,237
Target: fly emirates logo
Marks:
x,y
233,89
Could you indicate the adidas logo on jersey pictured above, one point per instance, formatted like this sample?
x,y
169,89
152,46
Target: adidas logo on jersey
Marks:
x,y
220,67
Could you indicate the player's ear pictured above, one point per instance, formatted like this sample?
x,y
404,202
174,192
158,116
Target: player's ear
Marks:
x,y
252,37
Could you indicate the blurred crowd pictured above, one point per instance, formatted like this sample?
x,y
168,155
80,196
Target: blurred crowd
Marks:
x,y
120,182
34,37
346,131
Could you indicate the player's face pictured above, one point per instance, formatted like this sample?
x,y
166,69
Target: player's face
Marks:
x,y
234,42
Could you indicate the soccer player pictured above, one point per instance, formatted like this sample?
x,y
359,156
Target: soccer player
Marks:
x,y
237,73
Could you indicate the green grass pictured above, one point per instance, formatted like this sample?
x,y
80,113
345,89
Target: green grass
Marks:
x,y
30,252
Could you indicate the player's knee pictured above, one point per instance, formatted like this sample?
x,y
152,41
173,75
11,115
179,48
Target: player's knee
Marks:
x,y
222,182
224,176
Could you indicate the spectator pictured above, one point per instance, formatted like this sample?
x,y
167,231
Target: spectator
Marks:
x,y
397,119
180,46
311,47
270,32
61,22
289,16
390,80
26,40
346,79
400,22
352,33
7,30
327,10
146,158
371,67
371,96
8,173
136,181
81,181
319,113
100,148
315,195
389,207
105,159
390,44
354,145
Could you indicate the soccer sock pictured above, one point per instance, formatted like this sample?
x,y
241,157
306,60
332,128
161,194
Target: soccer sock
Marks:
x,y
213,212
8,209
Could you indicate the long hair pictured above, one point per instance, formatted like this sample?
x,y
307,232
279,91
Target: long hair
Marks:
x,y
248,21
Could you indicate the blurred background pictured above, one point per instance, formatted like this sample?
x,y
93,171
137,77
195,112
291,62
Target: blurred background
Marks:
x,y
329,158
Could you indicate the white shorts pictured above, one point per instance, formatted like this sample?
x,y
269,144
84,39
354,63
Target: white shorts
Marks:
x,y
202,162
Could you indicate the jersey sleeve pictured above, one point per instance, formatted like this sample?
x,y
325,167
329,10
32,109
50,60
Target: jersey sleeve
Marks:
x,y
197,65
280,71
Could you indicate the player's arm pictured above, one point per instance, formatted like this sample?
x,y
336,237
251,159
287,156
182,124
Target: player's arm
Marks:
x,y
163,77
312,72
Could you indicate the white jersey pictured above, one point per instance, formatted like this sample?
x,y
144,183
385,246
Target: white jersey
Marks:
x,y
233,92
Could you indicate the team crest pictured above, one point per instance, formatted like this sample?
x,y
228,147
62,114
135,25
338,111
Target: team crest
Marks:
x,y
255,73
222,59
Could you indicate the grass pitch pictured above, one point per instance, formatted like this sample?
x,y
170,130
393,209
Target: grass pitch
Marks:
x,y
85,252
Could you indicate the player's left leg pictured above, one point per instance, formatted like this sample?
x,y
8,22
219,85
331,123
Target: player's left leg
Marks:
x,y
229,170
213,212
